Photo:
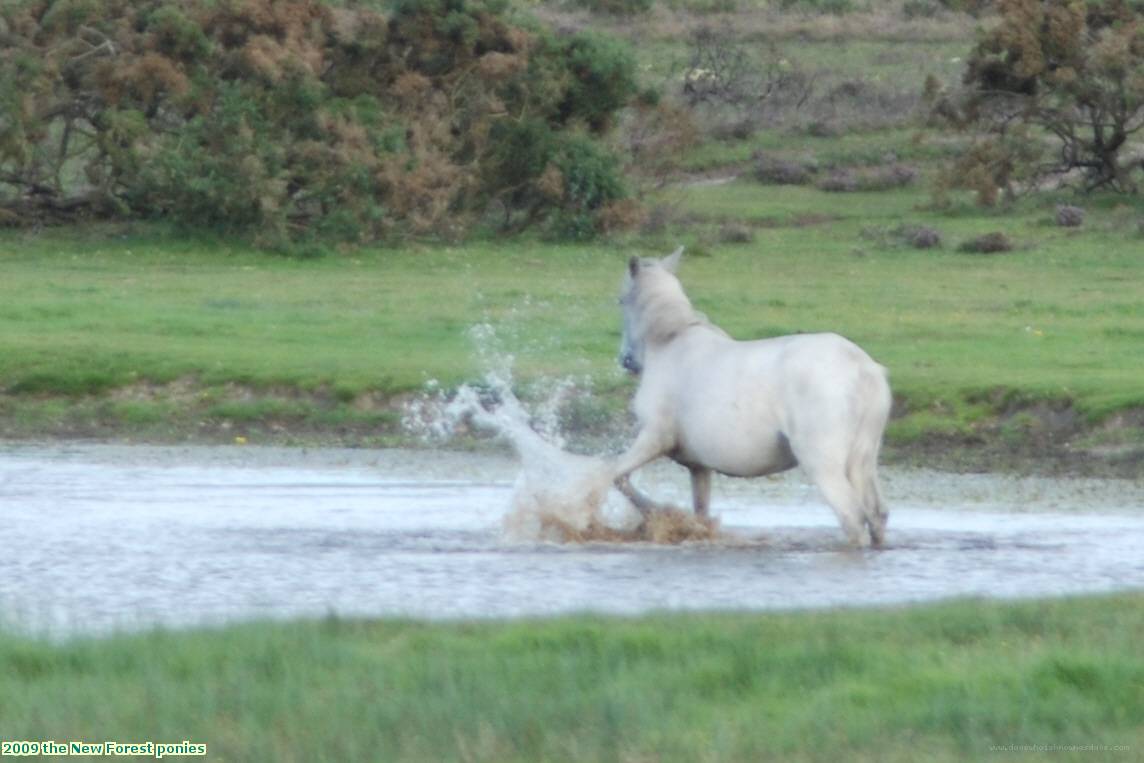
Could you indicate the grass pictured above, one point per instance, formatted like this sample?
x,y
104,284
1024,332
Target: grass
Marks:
x,y
940,682
146,325
84,316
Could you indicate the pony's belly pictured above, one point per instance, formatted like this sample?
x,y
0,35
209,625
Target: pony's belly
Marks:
x,y
738,456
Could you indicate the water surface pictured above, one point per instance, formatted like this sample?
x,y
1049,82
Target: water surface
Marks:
x,y
98,538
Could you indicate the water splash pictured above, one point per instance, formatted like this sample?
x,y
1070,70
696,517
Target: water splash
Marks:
x,y
558,496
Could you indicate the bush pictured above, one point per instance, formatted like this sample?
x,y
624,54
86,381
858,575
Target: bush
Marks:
x,y
294,118
775,171
869,179
1069,216
654,135
992,167
736,233
920,236
1070,70
590,182
820,128
990,243
887,178
839,181
566,178
622,215
601,79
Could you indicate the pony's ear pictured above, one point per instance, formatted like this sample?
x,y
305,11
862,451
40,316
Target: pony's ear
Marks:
x,y
671,261
634,266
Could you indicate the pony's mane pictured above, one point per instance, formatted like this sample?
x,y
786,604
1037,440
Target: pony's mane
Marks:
x,y
662,308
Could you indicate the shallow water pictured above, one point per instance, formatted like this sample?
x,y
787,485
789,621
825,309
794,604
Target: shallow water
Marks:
x,y
97,538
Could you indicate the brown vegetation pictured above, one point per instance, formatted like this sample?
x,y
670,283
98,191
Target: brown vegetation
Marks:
x,y
295,117
1071,70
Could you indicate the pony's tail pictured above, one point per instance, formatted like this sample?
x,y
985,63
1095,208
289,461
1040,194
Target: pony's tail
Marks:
x,y
862,465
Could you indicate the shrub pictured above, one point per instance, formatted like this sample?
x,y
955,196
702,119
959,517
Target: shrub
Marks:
x,y
920,236
294,118
543,174
1069,216
591,181
989,243
622,215
869,179
775,171
839,181
736,233
602,79
893,176
1071,70
739,127
993,167
654,135
820,128
723,68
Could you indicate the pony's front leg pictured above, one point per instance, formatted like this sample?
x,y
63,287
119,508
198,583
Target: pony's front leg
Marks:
x,y
649,445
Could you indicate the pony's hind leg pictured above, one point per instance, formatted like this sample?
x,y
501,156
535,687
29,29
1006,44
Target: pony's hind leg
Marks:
x,y
873,509
644,504
701,490
846,503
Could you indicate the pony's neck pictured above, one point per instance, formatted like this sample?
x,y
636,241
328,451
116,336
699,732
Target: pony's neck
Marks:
x,y
666,314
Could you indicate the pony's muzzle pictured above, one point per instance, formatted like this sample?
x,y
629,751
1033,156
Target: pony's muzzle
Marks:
x,y
629,362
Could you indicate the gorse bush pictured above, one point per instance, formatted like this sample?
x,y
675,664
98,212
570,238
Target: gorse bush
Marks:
x,y
291,118
1070,70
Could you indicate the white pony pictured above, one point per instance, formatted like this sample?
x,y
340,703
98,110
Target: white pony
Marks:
x,y
747,409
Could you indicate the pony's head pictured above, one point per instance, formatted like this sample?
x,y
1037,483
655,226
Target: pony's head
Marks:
x,y
654,306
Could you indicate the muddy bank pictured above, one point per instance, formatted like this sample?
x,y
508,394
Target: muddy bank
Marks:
x,y
1033,439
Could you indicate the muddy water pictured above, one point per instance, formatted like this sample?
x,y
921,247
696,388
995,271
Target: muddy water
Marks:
x,y
96,538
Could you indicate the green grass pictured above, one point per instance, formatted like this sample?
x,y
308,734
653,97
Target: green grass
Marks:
x,y
82,315
165,335
1058,320
939,682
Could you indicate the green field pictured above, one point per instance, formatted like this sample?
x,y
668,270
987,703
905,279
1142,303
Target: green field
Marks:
x,y
939,682
168,337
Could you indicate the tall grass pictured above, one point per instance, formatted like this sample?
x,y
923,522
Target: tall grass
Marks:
x,y
941,682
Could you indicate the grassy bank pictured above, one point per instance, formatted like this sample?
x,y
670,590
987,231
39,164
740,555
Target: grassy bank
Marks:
x,y
940,682
139,334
